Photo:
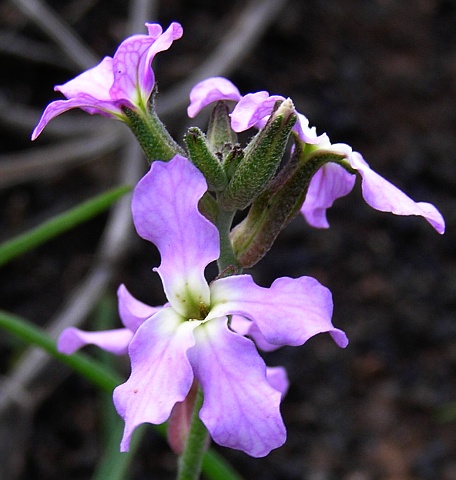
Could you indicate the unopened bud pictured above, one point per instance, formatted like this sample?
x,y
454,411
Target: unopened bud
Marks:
x,y
201,154
261,160
277,205
219,131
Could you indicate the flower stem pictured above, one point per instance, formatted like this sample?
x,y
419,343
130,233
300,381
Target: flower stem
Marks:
x,y
227,257
191,460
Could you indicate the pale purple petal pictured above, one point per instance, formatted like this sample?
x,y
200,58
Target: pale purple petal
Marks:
x,y
88,91
133,74
94,82
329,183
246,327
384,196
161,374
165,212
114,341
288,313
126,64
305,133
211,90
85,102
253,110
241,409
278,379
146,77
132,312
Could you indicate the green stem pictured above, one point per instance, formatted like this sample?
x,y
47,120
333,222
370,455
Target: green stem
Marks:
x,y
191,460
227,257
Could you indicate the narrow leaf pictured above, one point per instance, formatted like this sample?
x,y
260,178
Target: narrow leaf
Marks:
x,y
59,224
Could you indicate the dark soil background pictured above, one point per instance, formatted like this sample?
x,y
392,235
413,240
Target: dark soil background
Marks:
x,y
379,75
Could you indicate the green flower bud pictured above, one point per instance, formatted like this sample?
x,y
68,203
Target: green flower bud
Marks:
x,y
278,205
201,154
261,160
219,132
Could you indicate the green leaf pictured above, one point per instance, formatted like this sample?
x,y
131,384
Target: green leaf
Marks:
x,y
59,224
114,464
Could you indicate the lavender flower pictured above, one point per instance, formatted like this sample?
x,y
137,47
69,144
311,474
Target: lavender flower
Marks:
x,y
125,80
194,335
331,181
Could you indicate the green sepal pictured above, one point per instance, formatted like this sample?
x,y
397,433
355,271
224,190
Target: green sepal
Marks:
x,y
219,132
202,155
262,158
278,204
152,135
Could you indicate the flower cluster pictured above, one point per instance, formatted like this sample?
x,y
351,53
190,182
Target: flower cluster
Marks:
x,y
209,334
330,182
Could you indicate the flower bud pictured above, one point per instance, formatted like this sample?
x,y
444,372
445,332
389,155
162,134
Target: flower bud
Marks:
x,y
277,205
201,154
261,160
219,131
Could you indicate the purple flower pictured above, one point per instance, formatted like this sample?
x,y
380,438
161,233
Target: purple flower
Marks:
x,y
331,181
252,110
126,80
193,336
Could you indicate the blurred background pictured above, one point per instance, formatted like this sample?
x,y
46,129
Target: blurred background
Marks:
x,y
378,75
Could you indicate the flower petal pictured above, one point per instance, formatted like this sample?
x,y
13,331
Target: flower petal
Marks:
x,y
241,410
114,341
246,327
127,79
165,212
305,133
161,374
94,82
211,90
85,102
278,379
253,110
384,196
133,313
288,313
125,65
329,183
146,77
